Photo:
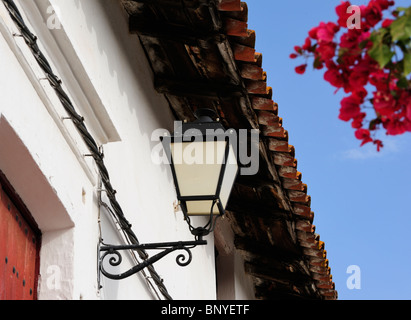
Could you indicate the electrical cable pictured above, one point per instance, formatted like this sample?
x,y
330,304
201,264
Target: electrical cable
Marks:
x,y
31,41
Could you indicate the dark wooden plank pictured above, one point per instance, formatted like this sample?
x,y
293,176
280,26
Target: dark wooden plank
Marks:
x,y
205,89
278,252
173,32
296,279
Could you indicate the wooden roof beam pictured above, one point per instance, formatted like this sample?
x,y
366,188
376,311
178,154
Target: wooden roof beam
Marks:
x,y
295,279
179,3
179,33
200,89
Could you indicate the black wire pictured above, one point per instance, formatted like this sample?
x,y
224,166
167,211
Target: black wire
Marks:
x,y
78,121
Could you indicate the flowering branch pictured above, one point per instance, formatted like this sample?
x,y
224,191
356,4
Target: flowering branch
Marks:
x,y
370,63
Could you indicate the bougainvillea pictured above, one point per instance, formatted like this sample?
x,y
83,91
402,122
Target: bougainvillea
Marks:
x,y
368,55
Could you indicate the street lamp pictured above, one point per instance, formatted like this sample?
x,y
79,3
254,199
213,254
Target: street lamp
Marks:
x,y
202,157
203,162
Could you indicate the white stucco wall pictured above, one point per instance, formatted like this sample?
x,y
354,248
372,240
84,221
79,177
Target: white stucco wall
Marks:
x,y
107,76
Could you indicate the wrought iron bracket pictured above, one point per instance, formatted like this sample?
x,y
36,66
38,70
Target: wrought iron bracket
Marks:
x,y
113,251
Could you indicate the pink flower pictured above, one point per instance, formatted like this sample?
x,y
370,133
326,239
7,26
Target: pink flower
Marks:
x,y
364,135
380,80
385,4
360,94
386,23
350,108
313,33
334,77
384,103
350,67
342,13
358,119
359,76
373,13
301,69
394,126
307,44
298,49
326,31
408,108
326,50
379,144
350,39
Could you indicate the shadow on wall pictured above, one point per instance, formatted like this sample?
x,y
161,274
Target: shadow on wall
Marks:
x,y
126,63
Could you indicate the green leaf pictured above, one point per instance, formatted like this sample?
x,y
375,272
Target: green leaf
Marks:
x,y
374,123
401,27
407,63
401,9
363,44
342,51
317,63
380,51
402,83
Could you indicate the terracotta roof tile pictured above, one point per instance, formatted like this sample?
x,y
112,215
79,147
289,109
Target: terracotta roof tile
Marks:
x,y
303,211
280,146
285,159
299,197
259,103
230,5
244,53
235,27
283,156
252,72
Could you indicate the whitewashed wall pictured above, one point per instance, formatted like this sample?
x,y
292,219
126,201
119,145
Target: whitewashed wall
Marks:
x,y
108,78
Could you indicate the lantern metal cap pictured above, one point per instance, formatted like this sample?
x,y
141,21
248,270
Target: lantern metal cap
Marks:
x,y
203,124
205,115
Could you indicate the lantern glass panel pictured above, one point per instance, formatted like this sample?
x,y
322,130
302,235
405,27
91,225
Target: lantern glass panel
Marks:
x,y
230,174
201,208
198,168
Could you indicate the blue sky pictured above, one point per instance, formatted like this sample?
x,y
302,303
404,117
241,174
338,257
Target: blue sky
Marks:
x,y
360,198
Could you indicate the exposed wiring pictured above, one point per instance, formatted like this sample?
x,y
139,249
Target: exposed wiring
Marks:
x,y
78,121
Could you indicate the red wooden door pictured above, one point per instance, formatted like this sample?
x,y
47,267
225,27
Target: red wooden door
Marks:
x,y
19,245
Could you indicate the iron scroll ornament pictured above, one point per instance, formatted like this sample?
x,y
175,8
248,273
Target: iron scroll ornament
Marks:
x,y
115,257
